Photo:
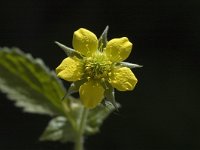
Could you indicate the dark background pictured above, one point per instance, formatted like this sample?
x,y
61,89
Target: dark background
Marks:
x,y
162,113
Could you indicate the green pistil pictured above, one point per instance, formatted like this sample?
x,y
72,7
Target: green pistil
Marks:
x,y
97,67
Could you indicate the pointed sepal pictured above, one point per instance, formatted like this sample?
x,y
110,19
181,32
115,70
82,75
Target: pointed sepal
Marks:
x,y
130,65
74,87
103,39
110,95
68,51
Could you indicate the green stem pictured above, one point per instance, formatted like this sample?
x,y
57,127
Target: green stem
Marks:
x,y
79,143
68,115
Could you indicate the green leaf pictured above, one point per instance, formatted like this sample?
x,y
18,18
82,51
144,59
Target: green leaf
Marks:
x,y
69,51
29,83
58,129
130,65
103,39
97,116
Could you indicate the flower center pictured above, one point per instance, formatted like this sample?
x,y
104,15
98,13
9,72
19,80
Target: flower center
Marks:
x,y
97,67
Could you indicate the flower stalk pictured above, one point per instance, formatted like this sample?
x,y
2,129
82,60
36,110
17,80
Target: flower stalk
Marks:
x,y
79,141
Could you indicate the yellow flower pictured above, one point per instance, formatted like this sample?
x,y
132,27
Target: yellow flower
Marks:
x,y
98,65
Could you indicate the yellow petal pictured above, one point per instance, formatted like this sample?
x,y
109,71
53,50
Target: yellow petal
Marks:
x,y
70,69
91,94
123,79
118,49
85,42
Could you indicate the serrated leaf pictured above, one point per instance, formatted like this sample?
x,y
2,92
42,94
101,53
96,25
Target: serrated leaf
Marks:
x,y
58,129
97,116
29,83
130,65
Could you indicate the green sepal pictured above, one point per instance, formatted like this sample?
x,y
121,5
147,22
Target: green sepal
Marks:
x,y
103,39
110,94
74,87
29,83
129,65
69,51
58,129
